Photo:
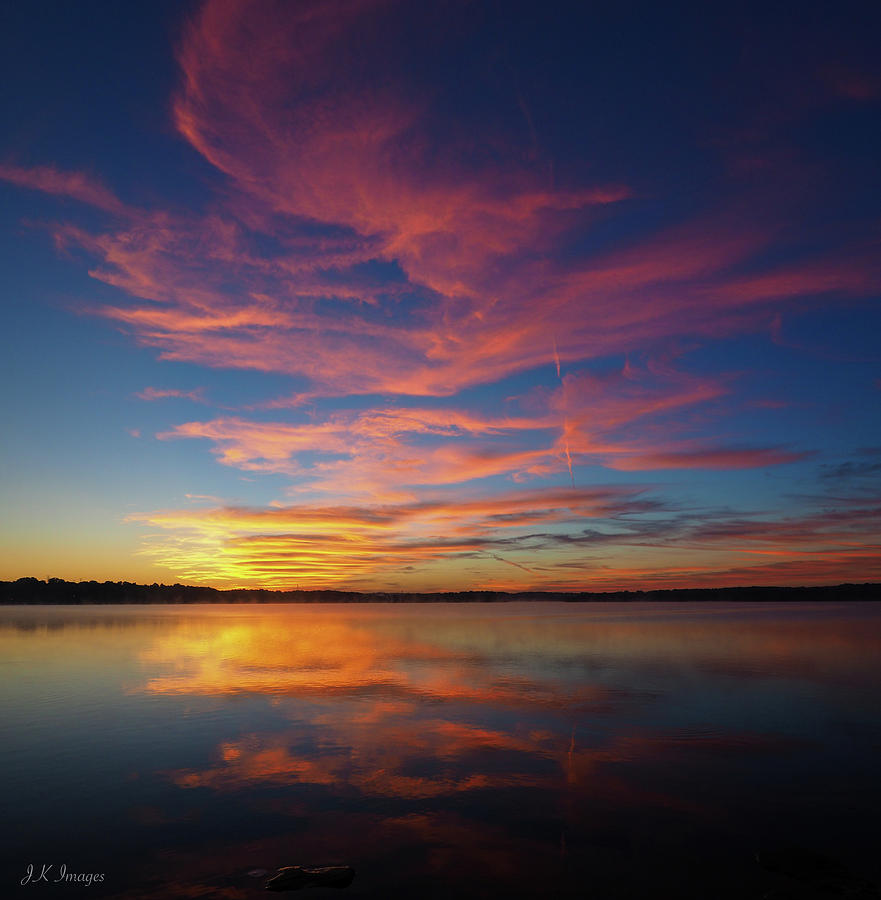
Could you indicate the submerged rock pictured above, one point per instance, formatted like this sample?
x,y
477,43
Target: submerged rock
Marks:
x,y
295,878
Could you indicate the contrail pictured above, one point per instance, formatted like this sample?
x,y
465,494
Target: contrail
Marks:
x,y
508,561
568,457
565,421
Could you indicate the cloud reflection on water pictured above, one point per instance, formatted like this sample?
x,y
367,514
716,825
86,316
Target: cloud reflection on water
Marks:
x,y
515,749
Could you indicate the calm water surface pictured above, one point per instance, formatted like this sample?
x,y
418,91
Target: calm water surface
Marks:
x,y
506,750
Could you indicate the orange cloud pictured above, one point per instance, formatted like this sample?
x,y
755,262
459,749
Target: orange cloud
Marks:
x,y
328,545
599,538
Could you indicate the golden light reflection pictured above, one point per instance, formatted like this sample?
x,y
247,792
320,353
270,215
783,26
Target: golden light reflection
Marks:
x,y
412,653
417,705
344,652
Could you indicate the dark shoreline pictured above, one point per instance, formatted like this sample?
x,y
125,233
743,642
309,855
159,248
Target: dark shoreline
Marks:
x,y
56,591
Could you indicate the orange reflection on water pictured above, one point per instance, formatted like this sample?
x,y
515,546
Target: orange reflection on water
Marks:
x,y
513,655
411,741
334,652
265,655
419,703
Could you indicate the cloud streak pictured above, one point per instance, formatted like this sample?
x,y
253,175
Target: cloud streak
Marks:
x,y
72,185
197,395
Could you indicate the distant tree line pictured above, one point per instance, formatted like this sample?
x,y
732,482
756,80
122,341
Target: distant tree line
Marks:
x,y
57,590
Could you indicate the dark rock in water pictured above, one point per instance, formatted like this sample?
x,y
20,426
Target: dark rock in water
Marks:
x,y
295,878
821,876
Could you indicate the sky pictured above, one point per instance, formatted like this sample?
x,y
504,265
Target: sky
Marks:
x,y
431,296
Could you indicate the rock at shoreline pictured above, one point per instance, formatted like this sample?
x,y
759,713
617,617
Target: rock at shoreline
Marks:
x,y
295,878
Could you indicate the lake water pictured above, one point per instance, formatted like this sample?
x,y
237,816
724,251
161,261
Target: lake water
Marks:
x,y
604,750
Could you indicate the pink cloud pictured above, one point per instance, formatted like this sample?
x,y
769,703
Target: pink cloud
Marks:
x,y
478,247
74,185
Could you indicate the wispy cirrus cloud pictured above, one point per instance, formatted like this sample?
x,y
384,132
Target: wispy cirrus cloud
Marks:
x,y
74,185
197,395
400,264
627,420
